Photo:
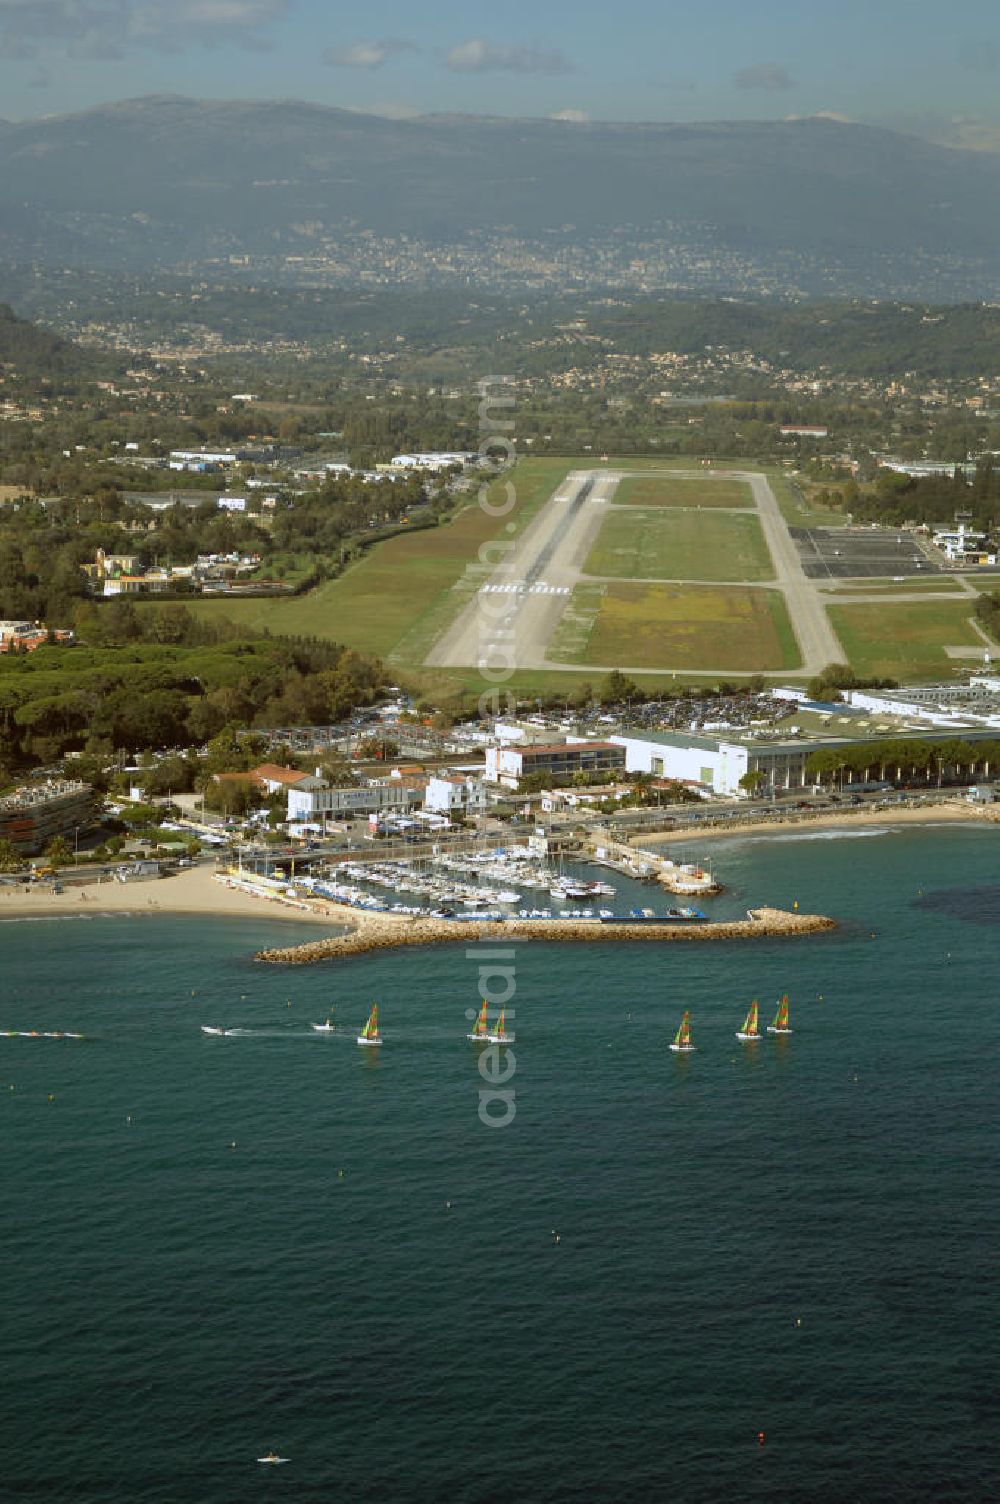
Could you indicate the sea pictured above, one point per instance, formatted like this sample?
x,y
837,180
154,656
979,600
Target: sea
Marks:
x,y
581,1269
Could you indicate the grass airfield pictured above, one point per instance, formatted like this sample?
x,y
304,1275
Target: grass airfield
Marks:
x,y
676,579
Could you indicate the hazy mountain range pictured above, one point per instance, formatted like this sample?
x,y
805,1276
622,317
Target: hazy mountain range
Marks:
x,y
163,182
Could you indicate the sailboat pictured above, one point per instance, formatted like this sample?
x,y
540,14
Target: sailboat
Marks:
x,y
370,1034
500,1035
750,1030
682,1039
780,1025
481,1028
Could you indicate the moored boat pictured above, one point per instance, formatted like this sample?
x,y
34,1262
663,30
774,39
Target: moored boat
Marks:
x,y
750,1030
681,1043
370,1033
780,1025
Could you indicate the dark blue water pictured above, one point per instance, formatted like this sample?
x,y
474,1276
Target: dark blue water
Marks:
x,y
212,1247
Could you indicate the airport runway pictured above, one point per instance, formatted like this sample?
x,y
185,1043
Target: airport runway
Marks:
x,y
509,622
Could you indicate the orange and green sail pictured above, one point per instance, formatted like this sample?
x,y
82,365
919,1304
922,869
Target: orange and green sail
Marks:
x,y
370,1030
683,1035
481,1027
781,1016
750,1022
500,1023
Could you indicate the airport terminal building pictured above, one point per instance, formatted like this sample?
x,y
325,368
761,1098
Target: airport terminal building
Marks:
x,y
717,763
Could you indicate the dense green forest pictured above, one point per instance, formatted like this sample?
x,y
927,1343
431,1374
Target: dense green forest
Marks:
x,y
930,499
164,678
32,356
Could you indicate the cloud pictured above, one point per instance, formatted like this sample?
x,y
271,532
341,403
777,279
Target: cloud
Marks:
x,y
768,76
574,117
366,54
480,56
111,28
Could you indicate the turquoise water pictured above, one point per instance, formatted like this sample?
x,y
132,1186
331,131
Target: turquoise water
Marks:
x,y
797,1238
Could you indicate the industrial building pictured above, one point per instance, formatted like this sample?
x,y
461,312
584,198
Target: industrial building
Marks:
x,y
715,762
718,763
33,815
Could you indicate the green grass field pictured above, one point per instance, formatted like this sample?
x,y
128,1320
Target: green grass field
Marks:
x,y
396,599
692,628
676,491
795,507
905,641
675,545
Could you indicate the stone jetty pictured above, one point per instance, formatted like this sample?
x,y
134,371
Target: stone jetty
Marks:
x,y
367,931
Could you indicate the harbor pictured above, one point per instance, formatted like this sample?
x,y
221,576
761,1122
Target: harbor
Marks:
x,y
502,882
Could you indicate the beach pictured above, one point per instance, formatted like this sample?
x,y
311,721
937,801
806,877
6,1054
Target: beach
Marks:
x,y
949,810
195,891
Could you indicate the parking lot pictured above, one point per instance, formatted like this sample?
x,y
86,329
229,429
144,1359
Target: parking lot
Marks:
x,y
866,553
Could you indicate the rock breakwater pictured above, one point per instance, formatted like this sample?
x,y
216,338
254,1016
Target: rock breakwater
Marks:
x,y
370,932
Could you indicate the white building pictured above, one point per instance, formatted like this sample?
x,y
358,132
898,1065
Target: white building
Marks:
x,y
181,459
715,762
390,796
447,795
964,544
508,765
432,460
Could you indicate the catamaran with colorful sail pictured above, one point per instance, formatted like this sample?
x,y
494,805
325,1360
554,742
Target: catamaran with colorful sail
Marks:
x,y
500,1035
370,1033
481,1028
780,1025
750,1030
682,1039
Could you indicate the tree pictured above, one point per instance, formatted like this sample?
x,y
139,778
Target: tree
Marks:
x,y
57,853
618,688
10,859
753,780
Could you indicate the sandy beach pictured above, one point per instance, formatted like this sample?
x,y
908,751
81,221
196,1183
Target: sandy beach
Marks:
x,y
951,811
195,891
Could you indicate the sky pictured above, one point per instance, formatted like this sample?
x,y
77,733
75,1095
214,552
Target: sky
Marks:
x,y
921,66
